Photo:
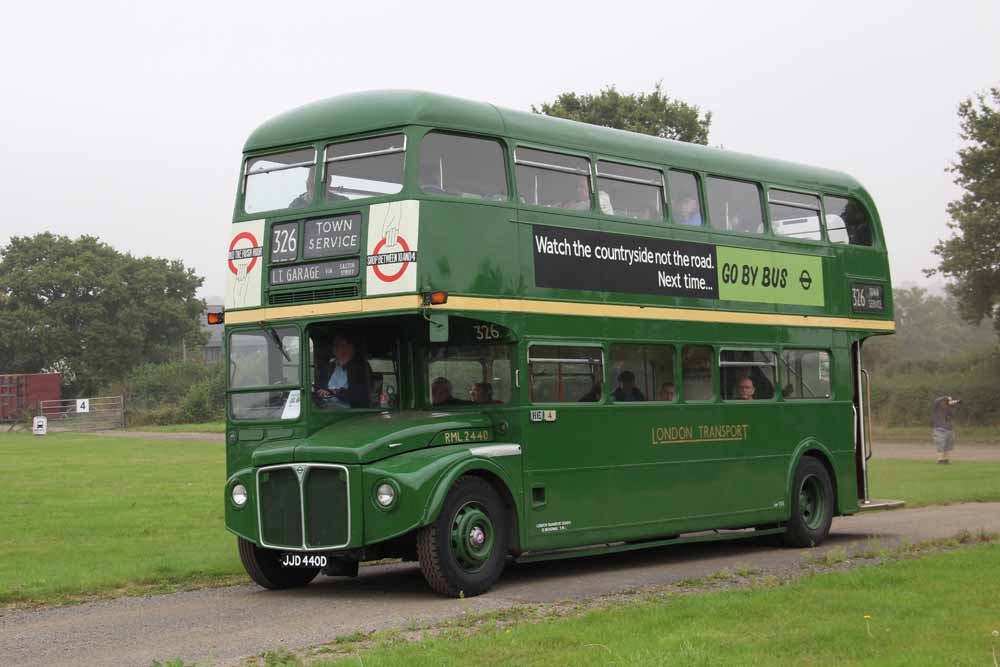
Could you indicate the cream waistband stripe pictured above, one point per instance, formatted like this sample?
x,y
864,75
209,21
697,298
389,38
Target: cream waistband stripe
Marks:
x,y
534,306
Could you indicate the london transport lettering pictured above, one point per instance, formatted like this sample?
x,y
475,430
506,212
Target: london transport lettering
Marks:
x,y
679,435
587,260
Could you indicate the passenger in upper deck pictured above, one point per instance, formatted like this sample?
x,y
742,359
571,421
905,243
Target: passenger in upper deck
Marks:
x,y
306,198
689,213
582,200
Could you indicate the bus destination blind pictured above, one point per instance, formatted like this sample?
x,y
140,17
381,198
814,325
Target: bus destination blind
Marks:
x,y
333,270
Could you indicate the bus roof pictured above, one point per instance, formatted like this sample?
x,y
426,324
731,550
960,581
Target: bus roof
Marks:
x,y
355,113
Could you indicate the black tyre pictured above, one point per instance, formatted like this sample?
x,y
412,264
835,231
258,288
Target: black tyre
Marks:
x,y
463,552
262,566
812,505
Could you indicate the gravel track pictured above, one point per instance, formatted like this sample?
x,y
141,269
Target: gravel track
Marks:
x,y
221,626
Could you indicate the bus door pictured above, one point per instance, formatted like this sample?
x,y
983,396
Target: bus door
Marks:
x,y
862,420
565,443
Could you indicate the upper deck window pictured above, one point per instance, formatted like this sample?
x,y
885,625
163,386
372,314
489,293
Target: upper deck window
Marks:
x,y
734,206
279,181
552,179
794,214
365,168
628,191
462,167
684,200
847,221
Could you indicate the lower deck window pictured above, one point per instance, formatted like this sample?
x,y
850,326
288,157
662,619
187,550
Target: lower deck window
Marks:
x,y
566,374
805,374
696,373
642,373
469,374
747,375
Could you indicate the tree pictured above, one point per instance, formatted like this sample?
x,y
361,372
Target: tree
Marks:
x,y
930,337
82,308
649,113
971,257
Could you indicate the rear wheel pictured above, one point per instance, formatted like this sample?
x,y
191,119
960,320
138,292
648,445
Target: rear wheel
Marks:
x,y
262,566
812,505
463,552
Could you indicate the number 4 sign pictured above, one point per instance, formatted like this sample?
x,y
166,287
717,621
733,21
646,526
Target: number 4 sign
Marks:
x,y
83,405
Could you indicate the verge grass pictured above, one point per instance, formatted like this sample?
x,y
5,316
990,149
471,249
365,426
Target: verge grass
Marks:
x,y
86,515
936,610
204,427
925,482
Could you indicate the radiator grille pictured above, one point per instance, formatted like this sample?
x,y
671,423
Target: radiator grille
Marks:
x,y
314,295
280,508
326,502
321,490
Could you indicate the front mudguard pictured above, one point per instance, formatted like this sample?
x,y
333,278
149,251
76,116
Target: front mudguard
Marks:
x,y
424,478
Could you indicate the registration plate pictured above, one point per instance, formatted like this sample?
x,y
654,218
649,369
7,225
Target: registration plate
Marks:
x,y
302,560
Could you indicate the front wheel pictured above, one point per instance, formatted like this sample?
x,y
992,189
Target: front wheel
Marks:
x,y
262,566
812,505
463,552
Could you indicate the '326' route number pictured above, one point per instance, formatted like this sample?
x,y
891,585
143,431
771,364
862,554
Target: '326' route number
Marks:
x,y
486,332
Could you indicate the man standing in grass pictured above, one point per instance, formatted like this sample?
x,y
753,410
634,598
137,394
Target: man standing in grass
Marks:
x,y
944,436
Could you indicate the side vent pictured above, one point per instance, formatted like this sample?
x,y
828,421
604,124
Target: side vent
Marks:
x,y
314,295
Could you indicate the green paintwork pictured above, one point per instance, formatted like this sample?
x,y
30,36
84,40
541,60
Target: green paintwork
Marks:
x,y
770,277
604,475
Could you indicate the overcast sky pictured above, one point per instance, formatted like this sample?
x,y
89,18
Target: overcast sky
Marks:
x,y
126,120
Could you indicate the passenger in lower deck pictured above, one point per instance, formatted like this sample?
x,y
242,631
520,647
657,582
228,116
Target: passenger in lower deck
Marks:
x,y
441,393
745,389
626,391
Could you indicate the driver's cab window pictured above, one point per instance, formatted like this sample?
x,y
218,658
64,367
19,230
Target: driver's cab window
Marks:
x,y
353,367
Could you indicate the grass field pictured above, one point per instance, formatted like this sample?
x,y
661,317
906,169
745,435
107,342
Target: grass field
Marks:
x,y
964,434
927,483
204,427
86,515
936,610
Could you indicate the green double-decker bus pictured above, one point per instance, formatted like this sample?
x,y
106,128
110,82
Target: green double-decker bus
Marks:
x,y
460,334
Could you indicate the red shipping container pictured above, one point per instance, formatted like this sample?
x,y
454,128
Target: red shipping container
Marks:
x,y
22,392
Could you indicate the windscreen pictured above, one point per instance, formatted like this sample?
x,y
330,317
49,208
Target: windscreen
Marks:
x,y
266,359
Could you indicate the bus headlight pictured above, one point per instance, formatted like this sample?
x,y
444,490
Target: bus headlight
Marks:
x,y
239,495
385,495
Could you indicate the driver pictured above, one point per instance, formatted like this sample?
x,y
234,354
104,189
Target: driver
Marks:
x,y
346,387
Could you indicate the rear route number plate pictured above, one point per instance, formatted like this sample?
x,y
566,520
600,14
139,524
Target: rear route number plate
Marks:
x,y
302,560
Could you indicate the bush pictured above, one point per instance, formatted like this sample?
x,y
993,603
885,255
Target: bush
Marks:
x,y
175,392
906,399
